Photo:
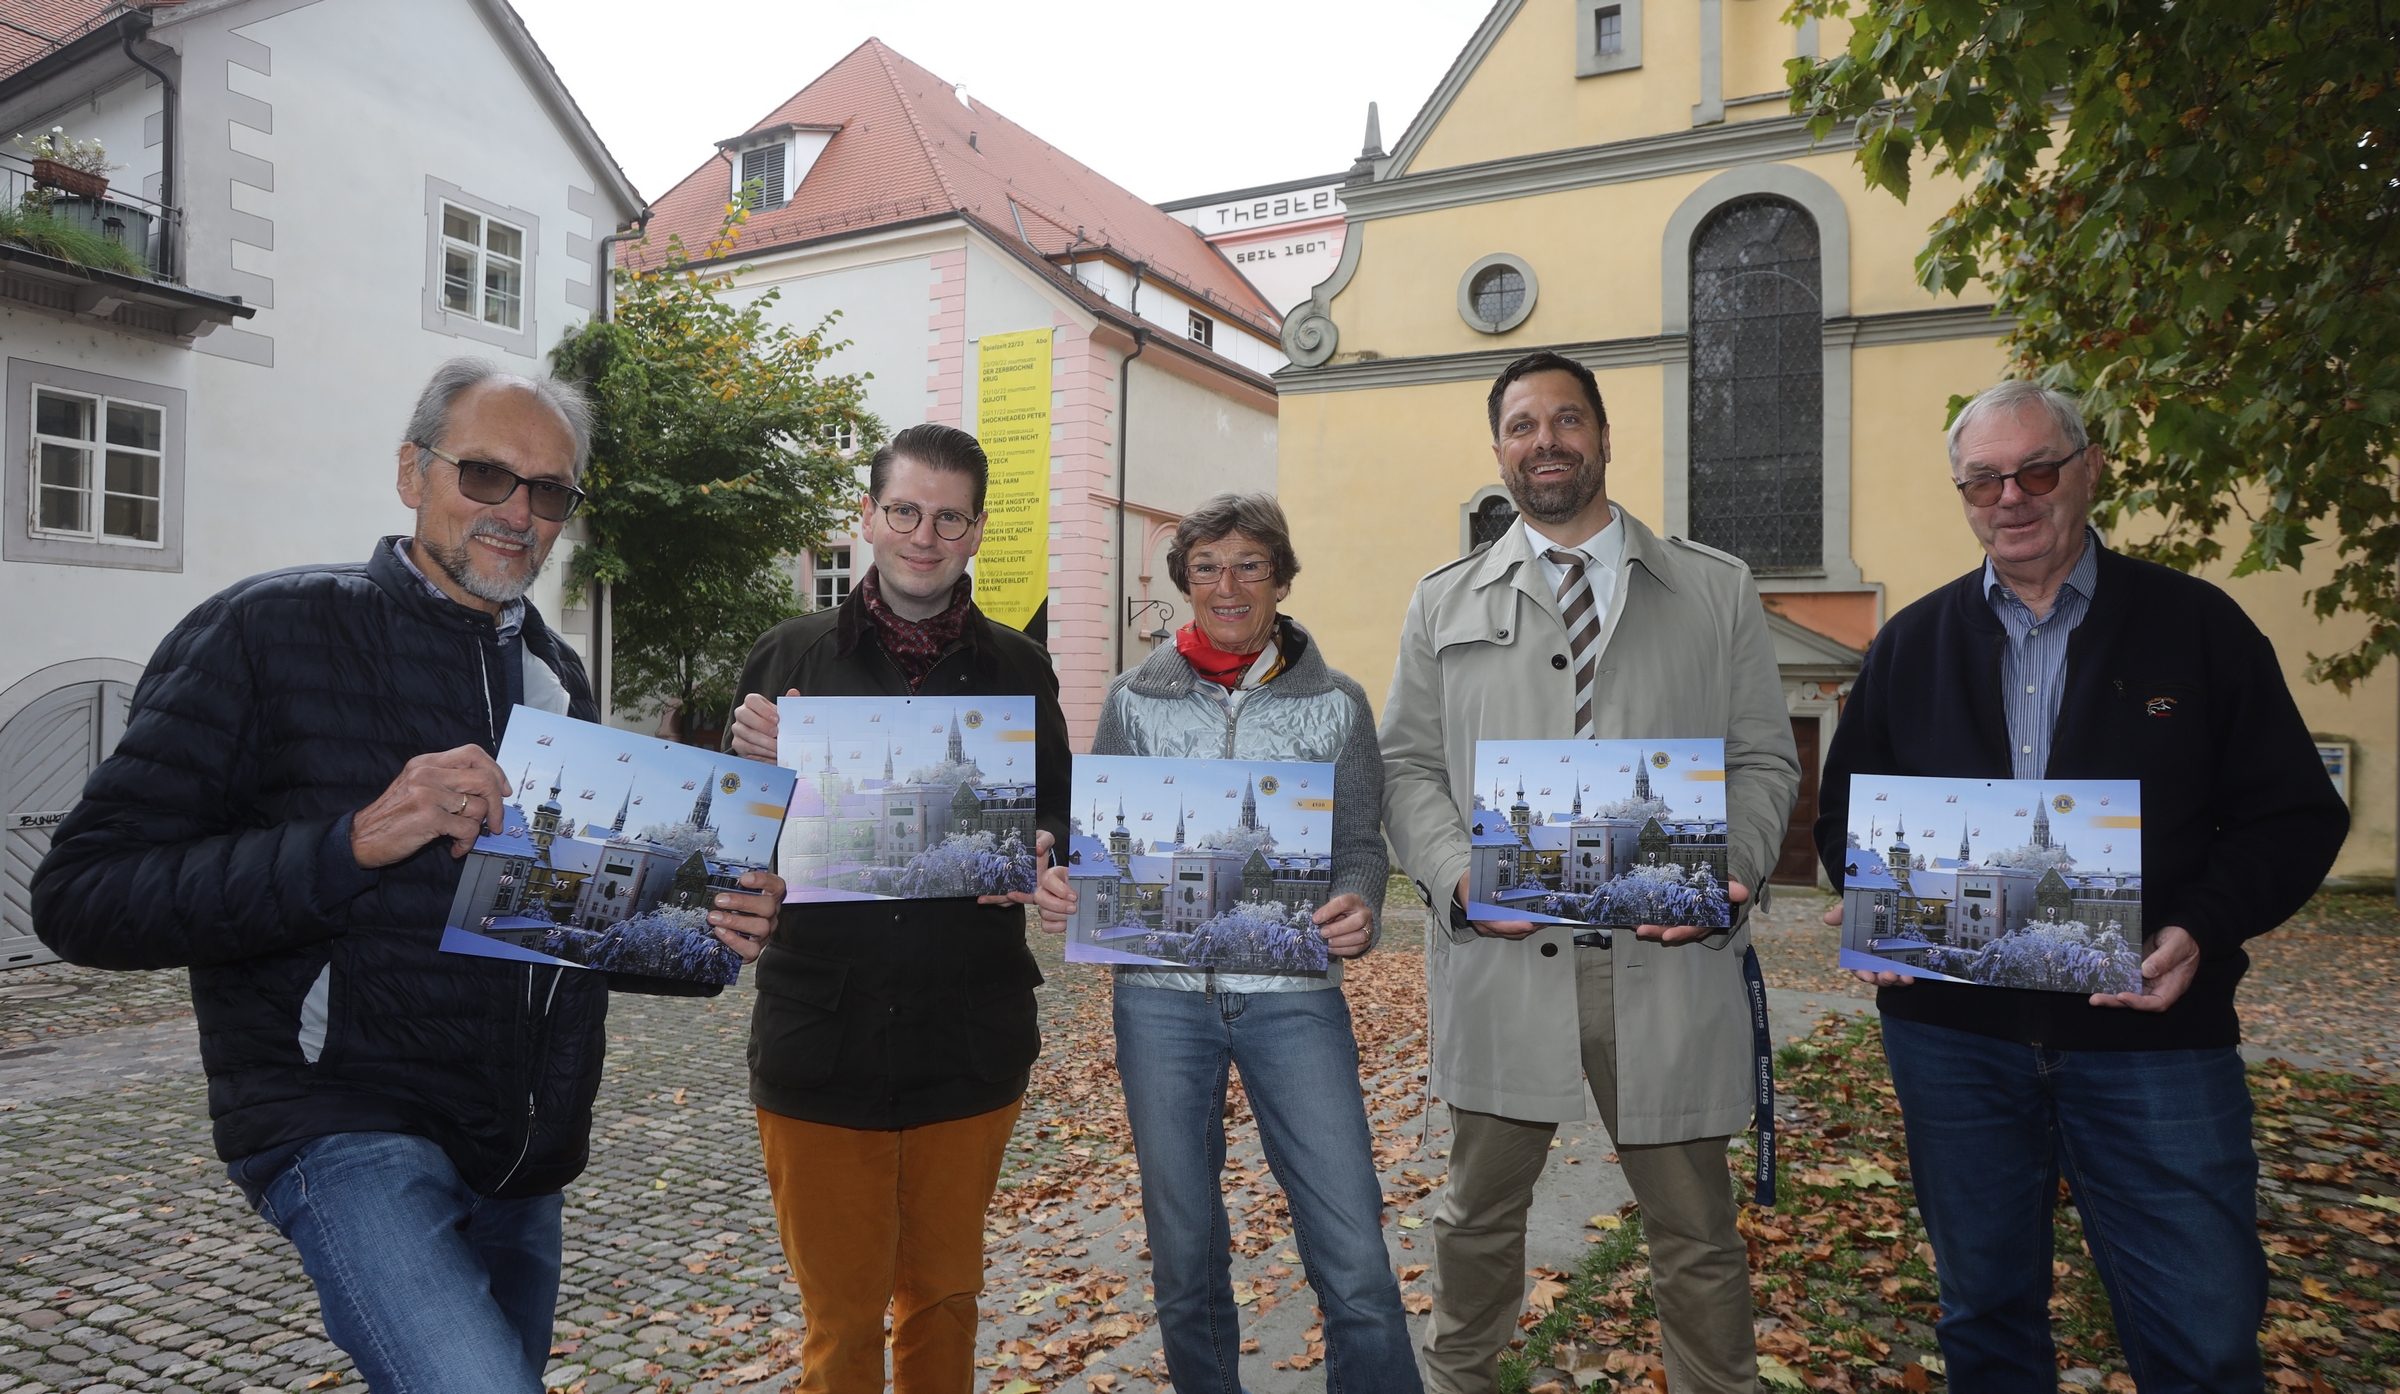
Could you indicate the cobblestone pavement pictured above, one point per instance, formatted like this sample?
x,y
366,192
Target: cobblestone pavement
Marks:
x,y
128,1262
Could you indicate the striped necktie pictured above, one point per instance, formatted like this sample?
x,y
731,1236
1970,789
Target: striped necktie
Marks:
x,y
1582,614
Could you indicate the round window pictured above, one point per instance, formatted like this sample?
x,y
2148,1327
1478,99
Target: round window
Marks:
x,y
1496,294
1498,291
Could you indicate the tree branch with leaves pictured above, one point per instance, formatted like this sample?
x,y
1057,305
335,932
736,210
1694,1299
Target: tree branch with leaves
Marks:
x,y
2189,209
714,461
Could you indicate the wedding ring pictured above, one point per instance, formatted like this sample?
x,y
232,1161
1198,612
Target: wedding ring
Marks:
x,y
462,804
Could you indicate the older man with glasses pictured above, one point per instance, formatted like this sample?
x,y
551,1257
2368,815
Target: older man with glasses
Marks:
x,y
307,761
893,1039
2060,659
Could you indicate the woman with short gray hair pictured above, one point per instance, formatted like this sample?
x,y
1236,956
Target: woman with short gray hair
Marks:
x,y
1244,682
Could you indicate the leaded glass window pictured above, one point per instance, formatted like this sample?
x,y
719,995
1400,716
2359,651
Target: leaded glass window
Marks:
x,y
1490,519
1758,385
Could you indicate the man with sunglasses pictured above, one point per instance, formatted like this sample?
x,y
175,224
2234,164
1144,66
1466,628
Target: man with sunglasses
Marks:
x,y
2059,659
893,1039
306,762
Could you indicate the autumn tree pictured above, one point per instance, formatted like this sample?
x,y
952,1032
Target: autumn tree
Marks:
x,y
714,461
2189,209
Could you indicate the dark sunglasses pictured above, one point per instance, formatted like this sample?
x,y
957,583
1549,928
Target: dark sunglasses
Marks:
x,y
2036,479
487,483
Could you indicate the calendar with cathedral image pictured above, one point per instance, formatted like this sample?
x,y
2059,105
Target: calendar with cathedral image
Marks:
x,y
560,879
1218,864
1616,833
2000,882
907,798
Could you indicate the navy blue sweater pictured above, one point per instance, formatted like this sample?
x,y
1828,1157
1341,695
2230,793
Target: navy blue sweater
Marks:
x,y
2167,682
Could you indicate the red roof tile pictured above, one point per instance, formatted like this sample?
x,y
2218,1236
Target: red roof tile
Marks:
x,y
904,153
31,30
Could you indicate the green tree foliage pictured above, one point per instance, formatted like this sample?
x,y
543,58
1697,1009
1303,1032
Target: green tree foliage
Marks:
x,y
2189,208
713,460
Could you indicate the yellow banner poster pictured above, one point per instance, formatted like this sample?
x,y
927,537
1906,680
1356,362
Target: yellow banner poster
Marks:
x,y
1012,572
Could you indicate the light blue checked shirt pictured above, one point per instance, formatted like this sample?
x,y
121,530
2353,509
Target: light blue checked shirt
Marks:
x,y
2033,664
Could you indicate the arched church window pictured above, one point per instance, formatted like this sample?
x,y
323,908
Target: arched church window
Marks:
x,y
1490,519
1758,385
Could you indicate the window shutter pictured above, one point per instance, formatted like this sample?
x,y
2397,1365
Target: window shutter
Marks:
x,y
764,165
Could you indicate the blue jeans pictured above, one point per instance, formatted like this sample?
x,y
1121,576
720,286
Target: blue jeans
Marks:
x,y
1299,1064
2155,1145
427,1285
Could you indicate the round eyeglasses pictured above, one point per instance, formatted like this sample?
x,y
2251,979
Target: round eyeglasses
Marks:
x,y
2036,479
487,483
949,525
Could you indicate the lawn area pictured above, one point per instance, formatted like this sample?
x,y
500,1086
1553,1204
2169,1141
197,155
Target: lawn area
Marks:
x,y
1844,1280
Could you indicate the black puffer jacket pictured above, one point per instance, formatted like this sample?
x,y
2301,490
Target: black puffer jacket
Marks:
x,y
217,838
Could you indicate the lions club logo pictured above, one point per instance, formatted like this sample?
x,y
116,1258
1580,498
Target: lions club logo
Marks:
x,y
974,720
1267,784
730,782
2064,803
1661,760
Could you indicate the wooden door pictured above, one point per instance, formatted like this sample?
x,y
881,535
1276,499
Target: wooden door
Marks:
x,y
1798,866
46,752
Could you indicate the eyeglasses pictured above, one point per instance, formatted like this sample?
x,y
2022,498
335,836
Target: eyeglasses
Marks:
x,y
949,525
2036,479
487,483
1249,573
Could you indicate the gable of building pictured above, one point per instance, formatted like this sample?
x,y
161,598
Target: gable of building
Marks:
x,y
900,145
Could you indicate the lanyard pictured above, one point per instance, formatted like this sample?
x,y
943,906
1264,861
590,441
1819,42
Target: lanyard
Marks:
x,y
1762,1052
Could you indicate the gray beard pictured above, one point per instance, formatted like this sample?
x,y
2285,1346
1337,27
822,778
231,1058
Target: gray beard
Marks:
x,y
1556,503
454,562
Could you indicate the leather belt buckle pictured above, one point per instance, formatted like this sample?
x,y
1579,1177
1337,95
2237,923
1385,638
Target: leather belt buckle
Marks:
x,y
1595,939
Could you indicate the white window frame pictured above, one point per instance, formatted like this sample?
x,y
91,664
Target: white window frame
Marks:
x,y
1200,329
483,257
520,338
1589,60
769,199
22,538
831,576
96,449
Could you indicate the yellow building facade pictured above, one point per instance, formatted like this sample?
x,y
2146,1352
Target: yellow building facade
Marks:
x,y
1622,181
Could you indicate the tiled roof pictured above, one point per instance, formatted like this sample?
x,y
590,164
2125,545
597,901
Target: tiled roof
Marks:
x,y
31,30
904,153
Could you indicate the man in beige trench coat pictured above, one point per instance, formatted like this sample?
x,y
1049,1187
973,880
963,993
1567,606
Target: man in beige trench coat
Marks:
x,y
1580,621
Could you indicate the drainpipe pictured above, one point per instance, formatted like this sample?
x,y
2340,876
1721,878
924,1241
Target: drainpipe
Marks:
x,y
166,153
1141,340
604,651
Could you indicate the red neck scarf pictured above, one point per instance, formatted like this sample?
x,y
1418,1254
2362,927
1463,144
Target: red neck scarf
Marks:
x,y
916,645
1224,669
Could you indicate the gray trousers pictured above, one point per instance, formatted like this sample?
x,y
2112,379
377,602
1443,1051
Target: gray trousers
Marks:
x,y
1699,1266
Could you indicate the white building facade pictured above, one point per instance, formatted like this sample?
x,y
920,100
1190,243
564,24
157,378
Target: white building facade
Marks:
x,y
332,196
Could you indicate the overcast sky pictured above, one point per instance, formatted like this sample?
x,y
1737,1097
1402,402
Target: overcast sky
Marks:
x,y
1169,101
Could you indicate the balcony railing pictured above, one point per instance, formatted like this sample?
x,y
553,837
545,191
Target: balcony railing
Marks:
x,y
151,233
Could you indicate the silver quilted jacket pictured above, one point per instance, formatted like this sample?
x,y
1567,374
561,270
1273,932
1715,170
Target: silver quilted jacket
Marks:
x,y
1308,712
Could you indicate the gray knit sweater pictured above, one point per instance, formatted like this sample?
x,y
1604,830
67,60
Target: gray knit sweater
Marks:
x,y
1308,712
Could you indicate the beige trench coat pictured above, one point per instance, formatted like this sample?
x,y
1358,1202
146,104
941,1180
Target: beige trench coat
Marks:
x,y
1684,651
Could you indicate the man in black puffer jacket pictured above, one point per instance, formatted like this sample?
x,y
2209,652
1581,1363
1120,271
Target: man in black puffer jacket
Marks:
x,y
308,758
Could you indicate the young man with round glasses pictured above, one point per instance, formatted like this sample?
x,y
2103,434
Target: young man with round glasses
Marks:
x,y
306,763
2060,659
893,1039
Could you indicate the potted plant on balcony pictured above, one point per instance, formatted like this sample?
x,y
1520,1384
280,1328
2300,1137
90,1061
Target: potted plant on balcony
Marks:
x,y
78,167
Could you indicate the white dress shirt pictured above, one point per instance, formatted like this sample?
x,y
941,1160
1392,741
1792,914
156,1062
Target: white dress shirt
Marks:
x,y
1603,555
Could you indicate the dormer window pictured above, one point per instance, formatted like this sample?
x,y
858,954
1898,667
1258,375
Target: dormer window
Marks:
x,y
770,164
1203,330
761,176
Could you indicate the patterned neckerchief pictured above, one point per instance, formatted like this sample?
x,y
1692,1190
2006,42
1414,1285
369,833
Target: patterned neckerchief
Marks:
x,y
916,645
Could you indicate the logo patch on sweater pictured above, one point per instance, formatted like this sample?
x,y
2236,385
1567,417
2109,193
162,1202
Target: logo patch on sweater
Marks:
x,y
2160,706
